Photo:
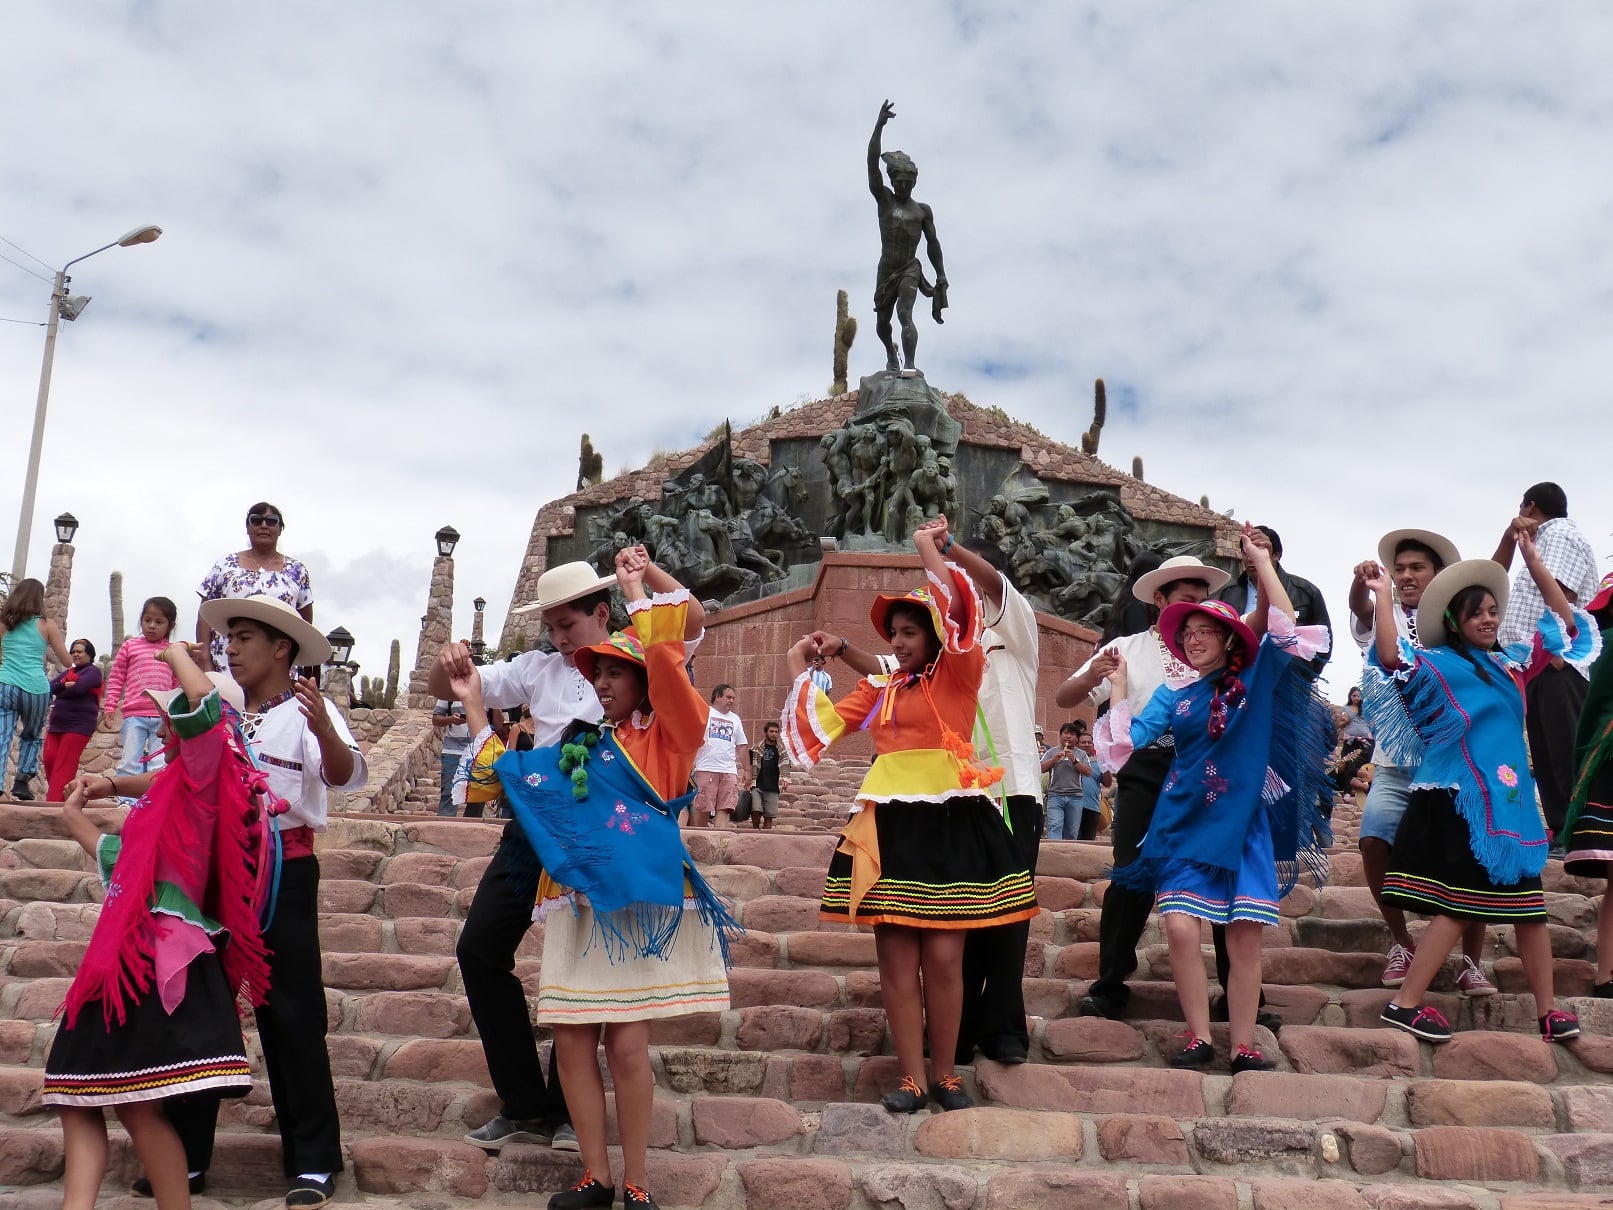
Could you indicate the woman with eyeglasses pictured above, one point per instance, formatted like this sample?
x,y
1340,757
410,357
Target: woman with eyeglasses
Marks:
x,y
260,569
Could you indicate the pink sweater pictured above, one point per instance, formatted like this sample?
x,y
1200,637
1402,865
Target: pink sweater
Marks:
x,y
135,669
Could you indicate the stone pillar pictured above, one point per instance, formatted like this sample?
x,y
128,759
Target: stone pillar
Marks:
x,y
339,688
476,623
58,588
436,628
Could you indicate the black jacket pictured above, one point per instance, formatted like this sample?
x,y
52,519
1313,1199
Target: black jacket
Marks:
x,y
1309,608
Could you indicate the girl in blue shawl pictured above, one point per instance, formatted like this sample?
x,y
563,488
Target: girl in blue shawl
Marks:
x,y
1472,844
1237,816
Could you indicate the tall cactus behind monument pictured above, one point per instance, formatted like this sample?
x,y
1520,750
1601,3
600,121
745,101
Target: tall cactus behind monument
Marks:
x,y
115,587
845,333
394,667
1100,409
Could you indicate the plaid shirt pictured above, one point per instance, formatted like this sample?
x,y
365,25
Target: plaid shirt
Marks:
x,y
1567,554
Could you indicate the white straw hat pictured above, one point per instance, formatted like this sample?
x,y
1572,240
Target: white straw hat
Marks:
x,y
566,583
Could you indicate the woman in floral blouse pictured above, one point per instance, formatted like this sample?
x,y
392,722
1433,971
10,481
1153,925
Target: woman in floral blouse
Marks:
x,y
260,569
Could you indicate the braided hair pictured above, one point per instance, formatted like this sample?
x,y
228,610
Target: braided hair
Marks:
x,y
1464,605
1229,687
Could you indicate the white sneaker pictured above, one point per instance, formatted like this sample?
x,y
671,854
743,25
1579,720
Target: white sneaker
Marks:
x,y
1471,980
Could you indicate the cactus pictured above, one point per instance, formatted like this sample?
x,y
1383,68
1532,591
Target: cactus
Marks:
x,y
115,586
1204,502
845,333
590,465
390,698
1100,408
1137,468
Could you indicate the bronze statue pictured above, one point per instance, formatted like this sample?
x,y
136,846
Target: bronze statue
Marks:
x,y
902,221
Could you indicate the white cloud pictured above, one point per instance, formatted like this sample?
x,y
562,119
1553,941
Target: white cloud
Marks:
x,y
1350,263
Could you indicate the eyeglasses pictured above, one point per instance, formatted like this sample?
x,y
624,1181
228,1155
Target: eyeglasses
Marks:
x,y
268,519
1191,634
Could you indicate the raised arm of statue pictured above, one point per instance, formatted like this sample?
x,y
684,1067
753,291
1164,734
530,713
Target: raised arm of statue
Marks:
x,y
875,185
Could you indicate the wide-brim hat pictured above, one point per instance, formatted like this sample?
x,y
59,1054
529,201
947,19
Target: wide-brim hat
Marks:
x,y
312,647
566,583
1182,567
1603,597
1174,616
880,612
1432,630
622,645
1438,543
228,690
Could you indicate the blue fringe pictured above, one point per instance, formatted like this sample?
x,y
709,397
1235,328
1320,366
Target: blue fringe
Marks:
x,y
1381,706
650,930
1301,742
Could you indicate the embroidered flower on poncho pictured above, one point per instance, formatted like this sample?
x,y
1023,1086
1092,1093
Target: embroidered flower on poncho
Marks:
x,y
1508,776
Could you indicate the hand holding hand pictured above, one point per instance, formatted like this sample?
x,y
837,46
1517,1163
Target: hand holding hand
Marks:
x,y
631,563
454,658
1117,674
1377,581
1527,548
1255,544
1366,570
934,530
1104,663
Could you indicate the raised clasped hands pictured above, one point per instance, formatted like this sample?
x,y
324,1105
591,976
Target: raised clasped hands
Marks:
x,y
631,564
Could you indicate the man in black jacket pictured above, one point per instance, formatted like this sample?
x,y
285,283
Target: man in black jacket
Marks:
x,y
1309,608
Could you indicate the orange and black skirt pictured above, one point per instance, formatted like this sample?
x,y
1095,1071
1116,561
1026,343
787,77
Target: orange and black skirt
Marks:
x,y
936,865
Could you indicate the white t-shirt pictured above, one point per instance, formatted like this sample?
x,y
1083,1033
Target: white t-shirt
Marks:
x,y
1008,693
724,734
290,757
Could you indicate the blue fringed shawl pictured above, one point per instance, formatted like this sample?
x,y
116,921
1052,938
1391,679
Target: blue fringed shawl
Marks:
x,y
619,845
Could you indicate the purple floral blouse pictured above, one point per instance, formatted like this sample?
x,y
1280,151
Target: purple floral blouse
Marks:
x,y
229,579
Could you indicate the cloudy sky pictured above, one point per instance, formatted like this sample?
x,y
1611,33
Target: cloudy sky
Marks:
x,y
1344,267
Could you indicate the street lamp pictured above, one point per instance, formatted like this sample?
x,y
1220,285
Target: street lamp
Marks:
x,y
447,538
480,603
66,528
69,307
341,647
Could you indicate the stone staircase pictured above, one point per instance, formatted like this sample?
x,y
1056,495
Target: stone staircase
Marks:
x,y
774,1103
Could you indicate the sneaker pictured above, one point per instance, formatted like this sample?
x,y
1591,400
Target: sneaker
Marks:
x,y
908,1097
1423,1022
632,1196
141,1186
310,1193
947,1093
20,790
1472,981
1558,1026
492,1136
565,1139
1197,1053
1250,1060
584,1195
1394,971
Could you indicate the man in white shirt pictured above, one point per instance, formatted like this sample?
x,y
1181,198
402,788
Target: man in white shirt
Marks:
x,y
1557,695
717,765
574,602
1150,664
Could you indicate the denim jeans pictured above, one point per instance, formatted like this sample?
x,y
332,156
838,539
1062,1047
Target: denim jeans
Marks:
x,y
138,736
1063,816
445,796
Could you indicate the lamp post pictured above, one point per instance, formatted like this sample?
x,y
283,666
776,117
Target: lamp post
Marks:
x,y
59,581
68,307
339,680
436,625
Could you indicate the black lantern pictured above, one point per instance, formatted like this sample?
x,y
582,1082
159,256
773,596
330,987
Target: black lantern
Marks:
x,y
66,528
341,647
478,652
447,539
480,603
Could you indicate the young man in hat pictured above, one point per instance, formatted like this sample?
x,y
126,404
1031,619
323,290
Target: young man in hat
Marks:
x,y
1557,695
304,748
1411,558
1150,664
574,603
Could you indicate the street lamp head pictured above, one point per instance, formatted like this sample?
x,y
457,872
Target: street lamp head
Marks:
x,y
140,235
66,528
71,306
341,646
447,538
480,603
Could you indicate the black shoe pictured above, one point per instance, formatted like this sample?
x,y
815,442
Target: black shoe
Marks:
x,y
20,790
309,1194
141,1186
1251,1060
633,1196
1603,991
1197,1053
947,1093
584,1195
1010,1052
1096,1004
1420,1021
1558,1026
1270,1021
907,1098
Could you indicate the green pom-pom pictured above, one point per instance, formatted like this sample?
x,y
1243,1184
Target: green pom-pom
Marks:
x,y
579,783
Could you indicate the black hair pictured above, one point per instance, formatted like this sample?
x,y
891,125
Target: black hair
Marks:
x,y
1549,499
263,506
1128,615
89,647
589,603
271,633
920,616
1464,605
1169,586
1071,728
719,689
165,607
1276,542
989,551
1421,547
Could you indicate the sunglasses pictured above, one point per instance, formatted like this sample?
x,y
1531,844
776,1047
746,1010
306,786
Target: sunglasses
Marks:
x,y
262,519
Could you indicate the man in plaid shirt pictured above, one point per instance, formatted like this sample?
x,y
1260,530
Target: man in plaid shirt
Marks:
x,y
1557,694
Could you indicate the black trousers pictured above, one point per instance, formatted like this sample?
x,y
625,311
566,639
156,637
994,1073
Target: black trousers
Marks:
x,y
291,1028
1554,698
499,917
994,958
1125,913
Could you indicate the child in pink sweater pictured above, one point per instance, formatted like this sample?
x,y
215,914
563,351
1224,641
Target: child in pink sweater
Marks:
x,y
136,669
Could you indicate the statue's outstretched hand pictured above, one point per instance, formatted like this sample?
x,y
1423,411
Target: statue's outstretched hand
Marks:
x,y
887,111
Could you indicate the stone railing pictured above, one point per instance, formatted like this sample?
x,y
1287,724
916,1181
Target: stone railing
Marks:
x,y
409,748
